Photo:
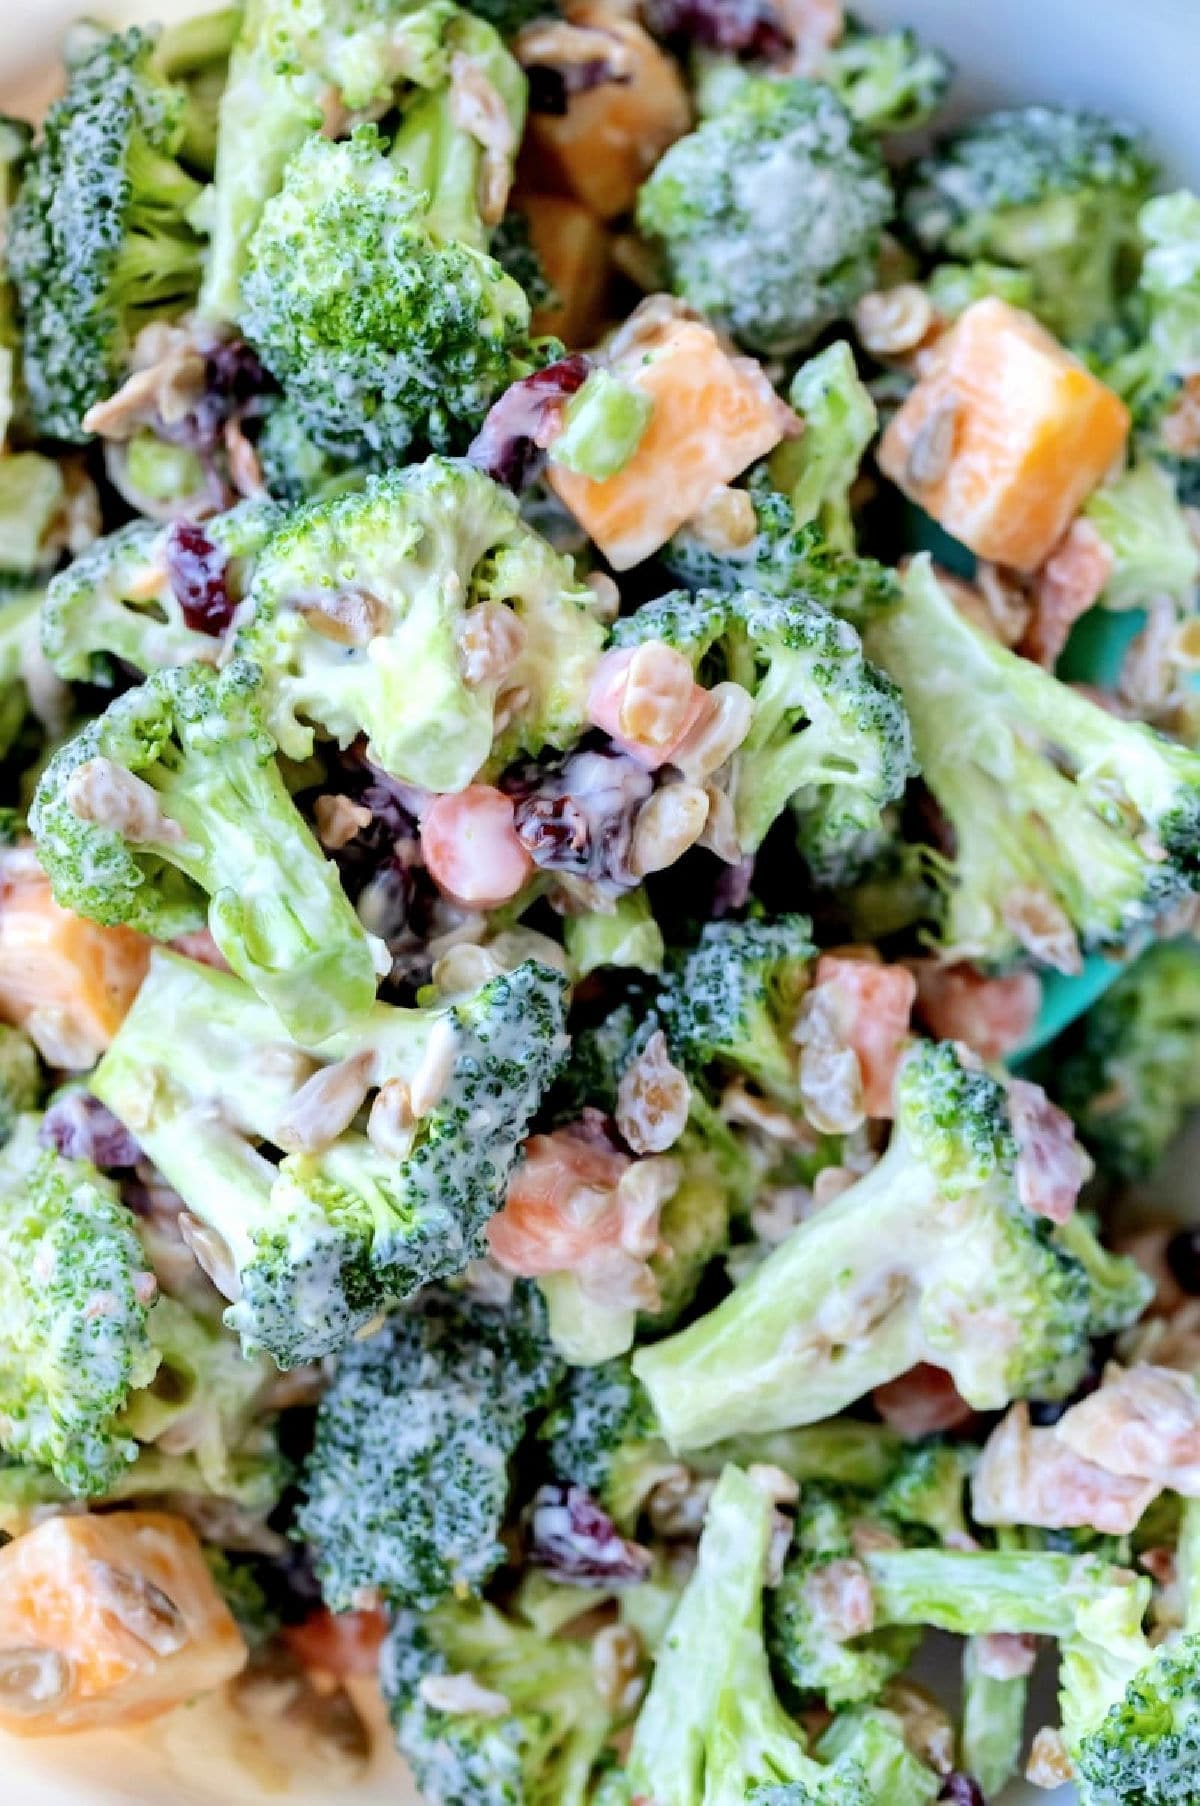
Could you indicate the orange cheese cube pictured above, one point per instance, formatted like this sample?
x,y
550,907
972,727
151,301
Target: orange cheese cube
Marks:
x,y
1004,437
606,143
108,1621
713,415
66,981
575,251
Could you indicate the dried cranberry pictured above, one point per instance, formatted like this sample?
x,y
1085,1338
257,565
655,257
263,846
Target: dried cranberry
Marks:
x,y
234,380
1183,1258
962,1789
78,1126
199,574
732,890
738,27
573,1539
551,85
511,444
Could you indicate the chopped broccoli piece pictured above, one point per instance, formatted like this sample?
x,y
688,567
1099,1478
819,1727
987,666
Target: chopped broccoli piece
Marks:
x,y
603,424
872,1740
117,600
75,1341
731,1002
769,214
819,469
294,468
508,16
1048,189
422,546
953,287
32,494
341,1227
21,1079
925,1490
993,1721
841,1452
256,1476
239,1582
418,1429
601,1435
15,139
929,1257
537,1742
174,794
194,53
99,242
370,294
886,80
1128,1071
626,936
1144,528
1071,827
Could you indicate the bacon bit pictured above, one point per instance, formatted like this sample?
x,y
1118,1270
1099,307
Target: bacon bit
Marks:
x,y
1039,923
198,944
1006,1655
1071,581
921,1402
1142,1424
839,1596
991,1015
524,422
1051,1164
1160,1564
1028,1476
872,1005
342,1643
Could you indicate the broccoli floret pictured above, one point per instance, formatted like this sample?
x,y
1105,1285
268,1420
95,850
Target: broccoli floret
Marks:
x,y
508,16
769,214
886,80
194,52
1071,827
602,1435
294,467
75,1298
953,287
21,1079
1048,189
626,936
255,1478
418,1429
370,294
173,795
930,1257
347,1222
1131,1713
99,242
418,549
293,69
117,599
1139,518
712,1728
925,1490
1128,1072
238,1579
819,469
731,1002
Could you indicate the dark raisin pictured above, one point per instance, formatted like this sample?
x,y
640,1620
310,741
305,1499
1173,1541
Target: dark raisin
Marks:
x,y
738,27
551,85
78,1126
510,445
963,1790
199,574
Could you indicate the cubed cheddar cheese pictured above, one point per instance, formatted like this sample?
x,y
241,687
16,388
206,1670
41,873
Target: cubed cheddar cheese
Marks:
x,y
713,415
108,1621
575,251
1004,437
66,981
606,143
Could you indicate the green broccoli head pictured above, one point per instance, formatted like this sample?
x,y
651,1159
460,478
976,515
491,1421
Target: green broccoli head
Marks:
x,y
819,469
418,1429
21,1079
1127,1072
1146,1747
769,215
1139,518
887,80
294,467
117,599
99,242
76,1301
352,1218
358,610
538,1731
1071,828
601,1434
173,795
1051,190
379,330
967,1279
731,1002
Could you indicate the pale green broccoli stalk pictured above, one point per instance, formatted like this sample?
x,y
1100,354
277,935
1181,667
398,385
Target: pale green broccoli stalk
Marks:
x,y
993,1721
418,1430
601,1434
731,1003
405,560
542,1748
926,1488
116,600
1128,1071
254,1482
21,1079
712,1731
75,1301
886,80
769,215
1118,1289
784,559
627,936
602,426
693,1230
953,287
929,1257
99,242
810,1657
294,467
194,53
369,293
15,139
173,796
819,469
1145,530
1071,828
841,1452
346,1223
1050,190
19,614
32,493
872,1739
293,65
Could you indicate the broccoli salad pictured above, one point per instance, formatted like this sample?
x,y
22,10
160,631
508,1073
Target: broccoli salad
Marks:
x,y
598,609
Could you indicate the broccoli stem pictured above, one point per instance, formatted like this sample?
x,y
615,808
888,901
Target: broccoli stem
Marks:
x,y
993,1723
971,1593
